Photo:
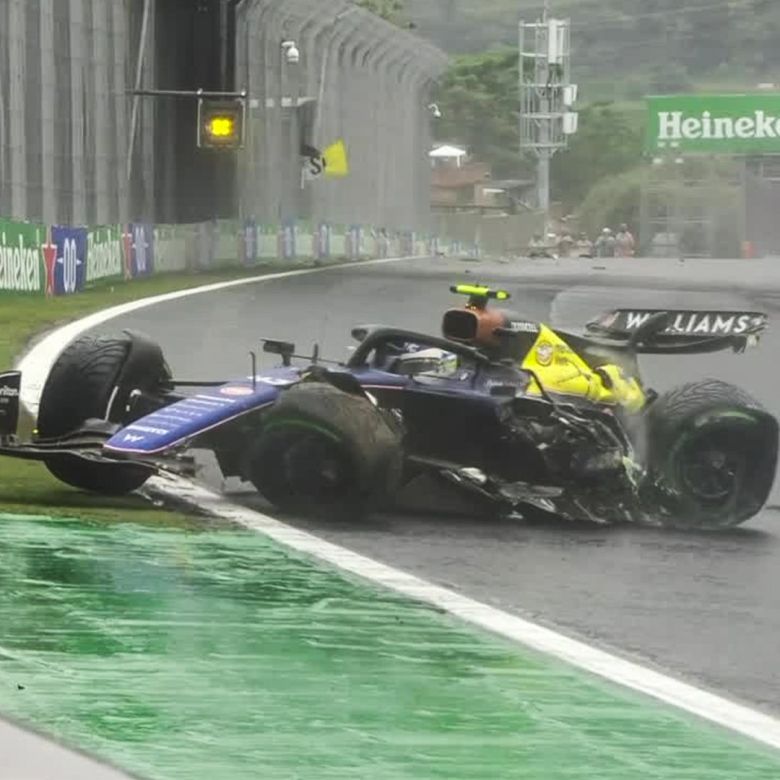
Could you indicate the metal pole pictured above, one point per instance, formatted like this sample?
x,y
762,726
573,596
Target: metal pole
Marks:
x,y
543,174
139,70
543,184
223,39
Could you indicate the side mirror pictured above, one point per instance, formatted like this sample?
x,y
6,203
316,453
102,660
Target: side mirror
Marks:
x,y
283,348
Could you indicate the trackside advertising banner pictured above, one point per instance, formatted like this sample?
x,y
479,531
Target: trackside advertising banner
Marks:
x,y
104,253
21,256
139,250
714,124
69,273
170,249
64,260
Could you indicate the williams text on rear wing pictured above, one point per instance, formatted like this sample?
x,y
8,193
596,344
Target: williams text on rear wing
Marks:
x,y
680,331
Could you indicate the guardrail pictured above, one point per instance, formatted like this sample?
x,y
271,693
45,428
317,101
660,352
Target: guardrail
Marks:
x,y
55,260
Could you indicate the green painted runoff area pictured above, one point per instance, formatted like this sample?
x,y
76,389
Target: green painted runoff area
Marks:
x,y
216,654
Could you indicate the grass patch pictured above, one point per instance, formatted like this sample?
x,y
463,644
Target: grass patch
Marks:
x,y
27,487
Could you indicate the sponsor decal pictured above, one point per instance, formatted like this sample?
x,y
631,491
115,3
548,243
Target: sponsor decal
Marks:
x,y
10,383
523,327
127,252
20,256
563,357
544,353
70,268
142,250
49,252
236,391
249,242
322,243
276,381
104,253
148,429
675,126
170,249
699,323
287,249
354,242
132,438
706,123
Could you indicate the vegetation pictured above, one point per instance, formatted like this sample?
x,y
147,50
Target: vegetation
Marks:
x,y
609,142
627,48
707,187
478,102
390,10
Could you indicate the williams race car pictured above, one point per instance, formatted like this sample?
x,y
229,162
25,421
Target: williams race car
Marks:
x,y
524,417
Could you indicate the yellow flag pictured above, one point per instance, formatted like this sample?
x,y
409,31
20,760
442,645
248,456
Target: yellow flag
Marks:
x,y
336,161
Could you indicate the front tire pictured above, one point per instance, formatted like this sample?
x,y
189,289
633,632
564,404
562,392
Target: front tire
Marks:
x,y
712,455
83,385
325,453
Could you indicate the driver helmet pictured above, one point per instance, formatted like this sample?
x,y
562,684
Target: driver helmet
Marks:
x,y
432,360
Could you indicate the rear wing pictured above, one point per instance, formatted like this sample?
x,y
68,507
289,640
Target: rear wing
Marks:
x,y
678,330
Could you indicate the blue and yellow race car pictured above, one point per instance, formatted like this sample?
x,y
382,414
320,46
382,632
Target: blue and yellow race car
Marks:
x,y
524,417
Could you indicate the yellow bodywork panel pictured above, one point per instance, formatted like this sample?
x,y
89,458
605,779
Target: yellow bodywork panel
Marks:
x,y
561,370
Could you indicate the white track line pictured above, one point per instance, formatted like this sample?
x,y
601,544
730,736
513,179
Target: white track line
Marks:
x,y
716,709
35,364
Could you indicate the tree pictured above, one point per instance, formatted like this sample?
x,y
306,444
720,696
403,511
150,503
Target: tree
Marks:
x,y
390,10
478,102
609,142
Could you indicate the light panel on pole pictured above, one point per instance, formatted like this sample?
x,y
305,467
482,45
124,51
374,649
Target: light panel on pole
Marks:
x,y
221,124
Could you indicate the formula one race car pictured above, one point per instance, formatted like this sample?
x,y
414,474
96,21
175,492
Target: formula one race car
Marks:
x,y
524,417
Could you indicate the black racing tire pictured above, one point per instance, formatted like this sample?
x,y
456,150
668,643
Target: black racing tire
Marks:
x,y
711,455
325,453
81,385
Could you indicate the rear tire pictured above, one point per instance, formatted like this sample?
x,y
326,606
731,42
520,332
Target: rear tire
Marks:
x,y
325,453
82,385
712,455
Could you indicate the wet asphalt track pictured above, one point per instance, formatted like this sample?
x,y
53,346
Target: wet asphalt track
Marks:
x,y
703,607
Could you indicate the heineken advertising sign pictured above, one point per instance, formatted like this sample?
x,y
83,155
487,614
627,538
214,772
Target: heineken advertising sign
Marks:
x,y
714,124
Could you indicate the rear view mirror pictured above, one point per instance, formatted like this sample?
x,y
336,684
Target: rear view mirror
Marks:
x,y
284,348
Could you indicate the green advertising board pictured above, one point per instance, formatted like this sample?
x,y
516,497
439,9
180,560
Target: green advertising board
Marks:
x,y
714,124
21,262
104,253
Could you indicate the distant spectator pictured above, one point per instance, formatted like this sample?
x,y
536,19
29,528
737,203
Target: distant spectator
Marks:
x,y
624,242
566,245
537,246
583,246
605,244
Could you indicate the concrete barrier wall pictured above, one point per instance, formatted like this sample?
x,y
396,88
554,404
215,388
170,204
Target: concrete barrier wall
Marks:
x,y
46,259
493,234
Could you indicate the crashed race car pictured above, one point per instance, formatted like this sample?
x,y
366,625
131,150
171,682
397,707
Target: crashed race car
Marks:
x,y
524,417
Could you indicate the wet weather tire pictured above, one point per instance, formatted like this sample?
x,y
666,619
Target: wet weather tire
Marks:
x,y
82,385
712,455
325,453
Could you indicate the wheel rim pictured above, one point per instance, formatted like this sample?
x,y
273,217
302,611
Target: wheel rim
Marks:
x,y
316,466
711,468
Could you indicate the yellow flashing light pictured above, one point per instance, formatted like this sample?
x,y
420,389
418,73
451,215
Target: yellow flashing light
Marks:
x,y
222,126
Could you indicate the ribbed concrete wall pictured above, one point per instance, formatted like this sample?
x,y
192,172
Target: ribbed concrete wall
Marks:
x,y
65,68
